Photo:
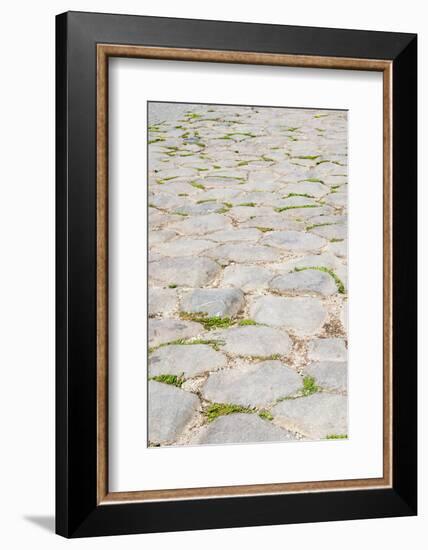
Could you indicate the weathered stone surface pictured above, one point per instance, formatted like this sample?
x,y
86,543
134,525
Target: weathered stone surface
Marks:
x,y
240,428
188,360
254,341
294,240
170,410
314,189
327,349
302,315
247,277
244,252
310,281
330,375
201,225
337,199
334,231
344,316
340,249
185,247
161,235
190,271
315,416
236,235
326,259
274,221
162,331
215,302
252,385
162,301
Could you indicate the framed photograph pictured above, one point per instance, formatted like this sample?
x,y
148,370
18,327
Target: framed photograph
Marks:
x,y
236,274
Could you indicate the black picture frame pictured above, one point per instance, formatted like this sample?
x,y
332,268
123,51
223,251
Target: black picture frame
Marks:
x,y
77,512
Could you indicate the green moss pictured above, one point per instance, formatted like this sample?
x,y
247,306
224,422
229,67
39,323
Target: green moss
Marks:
x,y
208,323
228,204
172,286
337,240
192,115
183,194
243,163
205,200
197,185
223,210
264,229
216,167
171,379
266,415
222,409
202,169
284,208
337,436
215,344
180,214
156,140
307,157
306,195
320,116
312,180
267,159
252,204
291,129
314,225
337,280
246,322
309,386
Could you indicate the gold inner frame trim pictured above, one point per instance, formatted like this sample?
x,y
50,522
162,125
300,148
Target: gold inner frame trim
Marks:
x,y
104,51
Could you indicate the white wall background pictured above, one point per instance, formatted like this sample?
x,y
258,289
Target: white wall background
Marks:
x,y
27,272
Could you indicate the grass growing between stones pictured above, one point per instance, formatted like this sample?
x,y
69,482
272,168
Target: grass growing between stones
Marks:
x,y
197,185
337,436
313,226
246,322
209,323
171,379
215,344
222,409
337,280
284,208
311,180
309,386
266,415
252,204
264,229
306,195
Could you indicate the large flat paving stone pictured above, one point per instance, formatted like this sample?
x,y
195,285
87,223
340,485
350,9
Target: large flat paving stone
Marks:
x,y
170,410
236,235
254,385
189,271
294,240
162,331
329,375
333,231
247,277
315,416
254,341
305,316
162,301
188,360
215,302
244,252
310,281
327,349
200,225
184,247
240,428
314,189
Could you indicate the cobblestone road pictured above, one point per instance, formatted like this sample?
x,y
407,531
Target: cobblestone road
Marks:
x,y
247,274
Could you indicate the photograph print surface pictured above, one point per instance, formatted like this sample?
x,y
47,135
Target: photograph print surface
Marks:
x,y
247,246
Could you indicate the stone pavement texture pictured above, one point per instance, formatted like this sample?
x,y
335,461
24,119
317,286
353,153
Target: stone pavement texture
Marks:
x,y
247,274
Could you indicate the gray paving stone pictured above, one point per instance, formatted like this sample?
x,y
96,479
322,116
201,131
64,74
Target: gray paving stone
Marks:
x,y
303,315
201,225
190,271
244,252
215,302
274,221
329,375
339,249
315,189
315,416
236,235
252,385
334,231
294,240
184,247
170,410
188,360
254,341
161,236
247,277
327,349
337,199
240,428
310,281
162,301
162,331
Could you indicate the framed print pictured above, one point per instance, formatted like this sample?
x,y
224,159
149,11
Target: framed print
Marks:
x,y
236,274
